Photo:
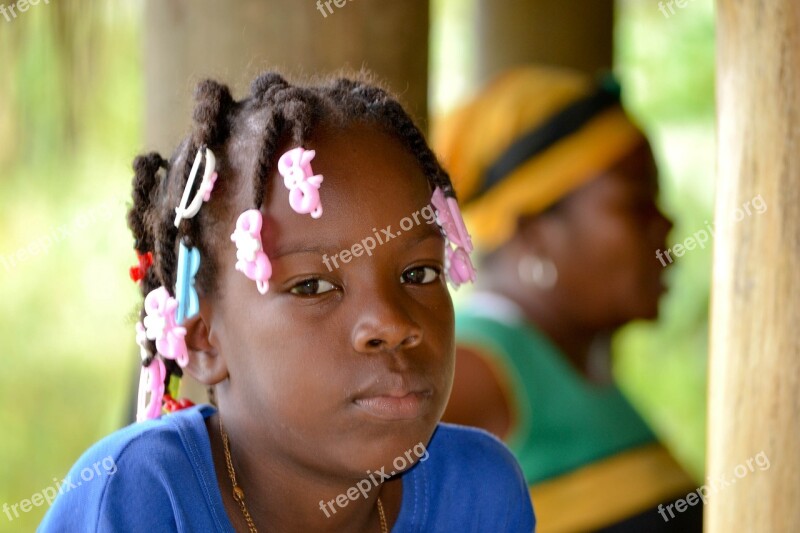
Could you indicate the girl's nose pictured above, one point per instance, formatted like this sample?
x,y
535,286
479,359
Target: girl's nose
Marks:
x,y
383,326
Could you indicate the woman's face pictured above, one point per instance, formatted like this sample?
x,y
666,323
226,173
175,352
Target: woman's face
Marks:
x,y
347,361
611,230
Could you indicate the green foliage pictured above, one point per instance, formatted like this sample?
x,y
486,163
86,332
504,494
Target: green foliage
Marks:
x,y
70,108
667,69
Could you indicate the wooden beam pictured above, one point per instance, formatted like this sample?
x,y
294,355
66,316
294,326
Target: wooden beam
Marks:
x,y
186,40
754,394
554,32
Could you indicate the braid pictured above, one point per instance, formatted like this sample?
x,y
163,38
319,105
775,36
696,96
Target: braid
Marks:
x,y
214,102
291,110
145,181
141,214
145,168
263,91
370,100
264,87
272,133
294,111
412,137
212,128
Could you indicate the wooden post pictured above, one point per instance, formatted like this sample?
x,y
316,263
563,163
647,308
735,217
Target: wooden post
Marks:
x,y
186,40
554,32
754,394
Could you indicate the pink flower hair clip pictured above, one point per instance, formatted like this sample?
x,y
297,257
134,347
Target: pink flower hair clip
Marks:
x,y
458,264
161,326
151,380
251,259
303,185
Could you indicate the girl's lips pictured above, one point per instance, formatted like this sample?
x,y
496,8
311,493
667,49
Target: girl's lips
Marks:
x,y
406,407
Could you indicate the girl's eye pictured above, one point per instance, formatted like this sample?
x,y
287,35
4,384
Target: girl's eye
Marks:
x,y
311,287
420,275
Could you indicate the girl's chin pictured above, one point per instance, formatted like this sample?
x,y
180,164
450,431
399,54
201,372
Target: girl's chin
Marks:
x,y
382,441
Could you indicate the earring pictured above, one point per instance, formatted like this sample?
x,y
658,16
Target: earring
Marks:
x,y
538,272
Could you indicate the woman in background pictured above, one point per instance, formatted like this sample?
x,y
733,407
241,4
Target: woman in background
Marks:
x,y
559,190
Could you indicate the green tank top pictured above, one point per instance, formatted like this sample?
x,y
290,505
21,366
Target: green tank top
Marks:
x,y
560,421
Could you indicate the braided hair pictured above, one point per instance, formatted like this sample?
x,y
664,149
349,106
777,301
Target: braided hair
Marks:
x,y
277,113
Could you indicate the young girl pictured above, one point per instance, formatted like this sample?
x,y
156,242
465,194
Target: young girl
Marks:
x,y
289,260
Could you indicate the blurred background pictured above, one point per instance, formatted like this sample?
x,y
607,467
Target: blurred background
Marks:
x,y
73,114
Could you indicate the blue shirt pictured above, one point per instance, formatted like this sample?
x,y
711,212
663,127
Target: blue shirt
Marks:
x,y
163,479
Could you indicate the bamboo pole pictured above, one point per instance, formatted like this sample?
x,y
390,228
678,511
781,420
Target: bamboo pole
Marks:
x,y
186,40
754,392
554,32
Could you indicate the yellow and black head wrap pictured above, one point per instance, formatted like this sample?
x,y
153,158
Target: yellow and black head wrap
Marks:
x,y
530,138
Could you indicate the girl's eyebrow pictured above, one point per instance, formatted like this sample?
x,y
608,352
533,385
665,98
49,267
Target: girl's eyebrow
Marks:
x,y
300,248
415,237
421,237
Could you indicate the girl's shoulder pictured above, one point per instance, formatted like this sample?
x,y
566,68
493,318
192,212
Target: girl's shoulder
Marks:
x,y
469,478
158,443
141,475
464,452
468,440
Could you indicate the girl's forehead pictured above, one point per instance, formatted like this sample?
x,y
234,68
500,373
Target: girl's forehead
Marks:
x,y
370,180
360,162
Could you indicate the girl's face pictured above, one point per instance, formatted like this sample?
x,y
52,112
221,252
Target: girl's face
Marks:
x,y
347,361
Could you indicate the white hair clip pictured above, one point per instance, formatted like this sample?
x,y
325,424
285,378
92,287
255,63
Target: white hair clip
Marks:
x,y
206,186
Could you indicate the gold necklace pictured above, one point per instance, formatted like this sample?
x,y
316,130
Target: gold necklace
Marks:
x,y
238,493
384,529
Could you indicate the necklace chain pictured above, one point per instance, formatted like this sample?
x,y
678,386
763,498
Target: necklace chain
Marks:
x,y
384,529
238,493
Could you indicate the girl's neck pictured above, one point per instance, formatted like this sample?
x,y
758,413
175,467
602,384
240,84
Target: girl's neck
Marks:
x,y
283,496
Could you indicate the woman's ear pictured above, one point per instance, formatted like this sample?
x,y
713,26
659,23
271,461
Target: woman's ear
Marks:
x,y
531,235
206,365
545,233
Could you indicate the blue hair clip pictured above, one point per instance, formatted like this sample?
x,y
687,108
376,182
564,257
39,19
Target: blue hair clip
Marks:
x,y
185,293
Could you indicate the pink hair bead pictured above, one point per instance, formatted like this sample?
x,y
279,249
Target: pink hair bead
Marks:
x,y
151,381
161,326
251,259
303,185
458,264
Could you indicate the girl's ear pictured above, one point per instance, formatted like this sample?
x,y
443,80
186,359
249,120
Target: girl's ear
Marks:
x,y
206,365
